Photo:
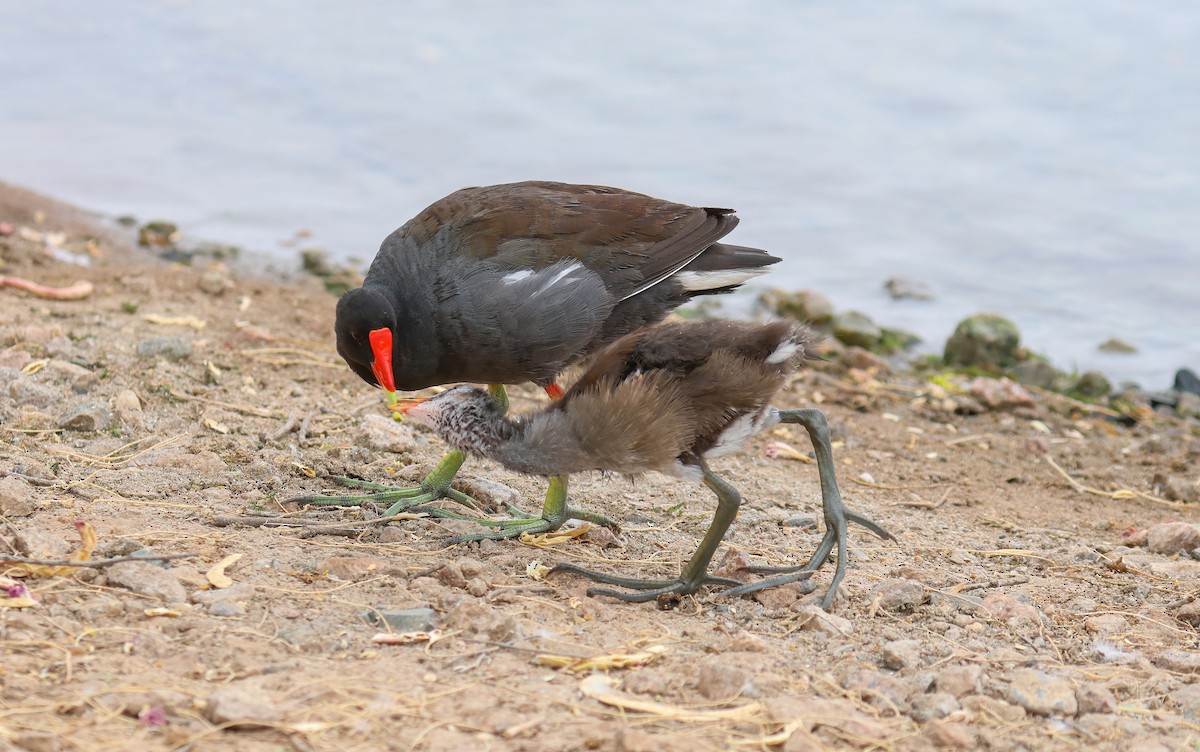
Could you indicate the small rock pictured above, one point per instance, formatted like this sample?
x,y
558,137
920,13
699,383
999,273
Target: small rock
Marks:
x,y
216,281
960,681
634,740
989,709
1178,489
602,537
229,601
719,680
36,741
899,654
14,359
947,734
128,407
242,706
1116,346
856,328
147,579
39,543
404,619
899,595
316,262
1042,694
1000,394
985,339
733,564
803,305
1036,373
16,498
901,287
1189,613
878,689
1107,624
170,348
1187,405
158,234
25,392
90,416
351,568
1179,661
1010,610
1173,537
933,705
491,494
1186,380
1094,697
1187,698
478,587
824,622
782,596
382,434
1092,385
864,360
451,575
746,642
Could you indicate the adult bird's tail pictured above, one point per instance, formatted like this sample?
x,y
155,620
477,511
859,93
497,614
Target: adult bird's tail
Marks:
x,y
723,268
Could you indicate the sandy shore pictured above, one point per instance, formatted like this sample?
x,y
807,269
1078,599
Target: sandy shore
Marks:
x,y
174,407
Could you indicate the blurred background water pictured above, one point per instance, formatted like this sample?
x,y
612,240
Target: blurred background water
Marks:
x,y
1039,159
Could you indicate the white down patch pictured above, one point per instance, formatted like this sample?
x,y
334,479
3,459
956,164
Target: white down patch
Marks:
x,y
694,281
740,430
784,352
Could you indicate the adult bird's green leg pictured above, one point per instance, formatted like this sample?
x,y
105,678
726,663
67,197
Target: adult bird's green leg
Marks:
x,y
555,512
834,511
695,573
435,485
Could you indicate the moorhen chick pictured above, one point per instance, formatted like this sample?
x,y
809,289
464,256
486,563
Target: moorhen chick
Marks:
x,y
511,283
665,399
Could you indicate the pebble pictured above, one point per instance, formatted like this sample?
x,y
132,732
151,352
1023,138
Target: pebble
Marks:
x,y
39,543
602,537
1093,385
899,595
878,689
171,348
127,407
989,709
984,339
90,416
720,680
1035,373
1189,613
451,575
37,741
960,681
901,287
1106,624
1042,694
25,392
1187,698
899,654
864,360
158,234
478,587
1000,394
819,620
947,734
423,619
1187,405
1094,697
215,282
147,579
1115,345
803,305
242,706
1186,380
350,568
1179,661
382,434
634,740
1173,537
16,498
856,328
229,601
933,705
490,493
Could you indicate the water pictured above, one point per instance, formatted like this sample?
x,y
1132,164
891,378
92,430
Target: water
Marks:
x,y
1036,159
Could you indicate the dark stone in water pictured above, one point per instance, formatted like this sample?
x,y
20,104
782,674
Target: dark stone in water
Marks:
x,y
1186,380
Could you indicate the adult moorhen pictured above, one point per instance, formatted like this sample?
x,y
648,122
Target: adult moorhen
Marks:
x,y
663,399
511,283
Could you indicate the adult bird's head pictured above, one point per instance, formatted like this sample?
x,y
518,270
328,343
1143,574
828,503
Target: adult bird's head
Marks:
x,y
365,329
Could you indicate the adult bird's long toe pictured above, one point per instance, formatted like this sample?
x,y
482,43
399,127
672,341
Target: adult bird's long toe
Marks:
x,y
667,399
511,283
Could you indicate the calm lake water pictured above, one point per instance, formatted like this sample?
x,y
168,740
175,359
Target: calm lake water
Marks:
x,y
1039,159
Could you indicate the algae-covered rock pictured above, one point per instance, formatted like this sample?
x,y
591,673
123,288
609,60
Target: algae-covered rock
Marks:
x,y
984,340
857,328
803,305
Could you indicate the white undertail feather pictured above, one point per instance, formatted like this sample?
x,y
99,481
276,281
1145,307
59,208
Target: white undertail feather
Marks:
x,y
739,431
695,281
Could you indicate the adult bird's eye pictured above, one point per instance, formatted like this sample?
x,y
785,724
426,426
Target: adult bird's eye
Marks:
x,y
357,336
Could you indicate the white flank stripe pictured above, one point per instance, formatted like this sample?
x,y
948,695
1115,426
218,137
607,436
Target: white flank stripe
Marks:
x,y
515,277
786,350
712,280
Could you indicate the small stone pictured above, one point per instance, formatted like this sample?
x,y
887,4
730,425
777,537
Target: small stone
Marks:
x,y
1013,612
864,360
229,601
478,587
899,654
91,416
1187,405
1186,380
1187,698
952,735
899,595
989,709
984,339
1092,385
781,596
901,287
382,434
36,741
1042,694
1179,661
803,305
350,568
824,622
405,619
147,579
170,348
216,281
960,681
16,498
856,328
316,262
492,494
602,537
451,575
1116,346
25,392
1037,373
128,407
242,706
1094,697
1173,537
719,680
1000,394
878,689
634,740
1189,613
1107,624
746,642
933,705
